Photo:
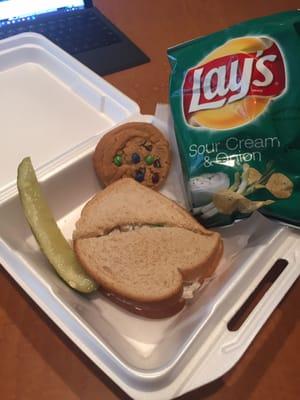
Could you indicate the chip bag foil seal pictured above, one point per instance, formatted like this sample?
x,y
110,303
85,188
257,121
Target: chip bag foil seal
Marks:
x,y
235,101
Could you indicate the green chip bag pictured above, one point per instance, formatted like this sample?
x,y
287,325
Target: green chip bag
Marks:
x,y
235,101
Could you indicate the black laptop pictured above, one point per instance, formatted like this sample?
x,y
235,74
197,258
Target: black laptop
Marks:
x,y
77,27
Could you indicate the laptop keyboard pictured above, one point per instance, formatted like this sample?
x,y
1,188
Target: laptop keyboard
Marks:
x,y
74,32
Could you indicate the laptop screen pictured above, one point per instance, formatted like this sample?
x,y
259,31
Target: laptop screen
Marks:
x,y
12,11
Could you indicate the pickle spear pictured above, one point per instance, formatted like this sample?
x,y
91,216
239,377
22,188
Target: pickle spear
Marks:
x,y
48,235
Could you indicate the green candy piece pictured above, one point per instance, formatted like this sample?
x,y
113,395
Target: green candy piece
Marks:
x,y
118,160
149,159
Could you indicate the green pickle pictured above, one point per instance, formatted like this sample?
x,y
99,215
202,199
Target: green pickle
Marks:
x,y
48,235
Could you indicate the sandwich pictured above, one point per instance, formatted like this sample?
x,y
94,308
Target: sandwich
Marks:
x,y
142,248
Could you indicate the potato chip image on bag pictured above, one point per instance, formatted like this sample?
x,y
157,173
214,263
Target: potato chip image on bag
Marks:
x,y
280,186
235,101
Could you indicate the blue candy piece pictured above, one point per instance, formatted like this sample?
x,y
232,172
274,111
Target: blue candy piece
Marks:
x,y
135,158
139,175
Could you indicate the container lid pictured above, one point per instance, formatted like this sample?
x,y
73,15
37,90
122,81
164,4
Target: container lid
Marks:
x,y
51,106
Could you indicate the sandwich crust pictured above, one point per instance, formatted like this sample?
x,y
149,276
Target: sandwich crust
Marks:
x,y
155,311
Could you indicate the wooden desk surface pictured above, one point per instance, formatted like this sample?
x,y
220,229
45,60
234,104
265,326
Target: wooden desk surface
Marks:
x,y
37,361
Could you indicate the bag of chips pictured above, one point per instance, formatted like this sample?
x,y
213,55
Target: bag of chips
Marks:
x,y
235,101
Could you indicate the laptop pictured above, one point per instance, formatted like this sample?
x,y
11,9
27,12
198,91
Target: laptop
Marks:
x,y
77,27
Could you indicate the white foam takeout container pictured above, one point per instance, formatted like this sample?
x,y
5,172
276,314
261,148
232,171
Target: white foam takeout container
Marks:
x,y
55,110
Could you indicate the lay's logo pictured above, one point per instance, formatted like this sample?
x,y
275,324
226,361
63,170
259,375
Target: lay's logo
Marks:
x,y
234,84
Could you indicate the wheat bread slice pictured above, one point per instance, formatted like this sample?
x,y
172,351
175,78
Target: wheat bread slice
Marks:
x,y
148,265
126,202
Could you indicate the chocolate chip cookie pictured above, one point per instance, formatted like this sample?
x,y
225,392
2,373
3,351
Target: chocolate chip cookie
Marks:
x,y
138,150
